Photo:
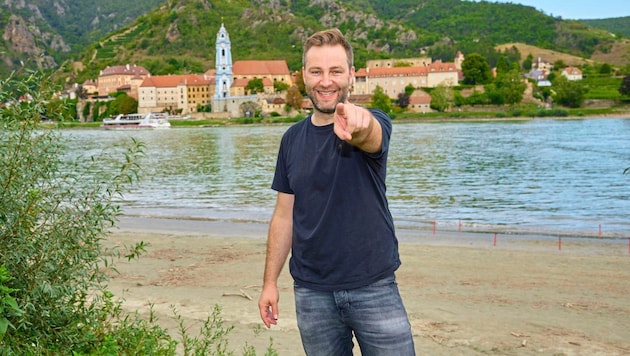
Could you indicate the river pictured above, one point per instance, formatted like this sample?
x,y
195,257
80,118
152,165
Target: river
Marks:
x,y
543,176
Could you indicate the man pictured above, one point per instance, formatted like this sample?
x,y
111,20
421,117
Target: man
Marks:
x,y
332,214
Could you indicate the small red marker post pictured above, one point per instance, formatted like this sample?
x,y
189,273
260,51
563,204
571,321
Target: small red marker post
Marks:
x,y
434,226
460,225
494,243
559,243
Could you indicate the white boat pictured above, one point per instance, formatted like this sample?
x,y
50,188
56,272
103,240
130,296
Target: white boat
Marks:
x,y
137,121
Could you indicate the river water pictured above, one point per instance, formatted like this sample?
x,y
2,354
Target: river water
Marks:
x,y
544,177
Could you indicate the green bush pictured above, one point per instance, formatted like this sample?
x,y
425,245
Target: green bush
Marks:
x,y
54,216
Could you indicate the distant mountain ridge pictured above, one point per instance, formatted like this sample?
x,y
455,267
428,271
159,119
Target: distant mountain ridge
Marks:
x,y
45,33
616,25
177,36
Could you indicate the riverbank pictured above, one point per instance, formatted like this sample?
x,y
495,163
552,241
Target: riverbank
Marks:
x,y
454,116
465,294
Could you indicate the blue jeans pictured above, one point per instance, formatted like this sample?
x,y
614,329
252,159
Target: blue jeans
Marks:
x,y
375,314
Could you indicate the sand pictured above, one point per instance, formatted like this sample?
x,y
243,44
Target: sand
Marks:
x,y
466,294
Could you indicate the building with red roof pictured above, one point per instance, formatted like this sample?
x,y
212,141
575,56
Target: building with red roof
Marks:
x,y
274,70
393,80
121,78
175,94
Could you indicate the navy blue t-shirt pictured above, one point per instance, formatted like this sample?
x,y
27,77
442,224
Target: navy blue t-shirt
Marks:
x,y
343,231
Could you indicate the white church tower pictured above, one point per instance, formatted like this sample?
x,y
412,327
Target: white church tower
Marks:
x,y
223,65
223,102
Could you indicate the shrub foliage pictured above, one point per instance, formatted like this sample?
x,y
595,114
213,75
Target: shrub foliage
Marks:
x,y
54,267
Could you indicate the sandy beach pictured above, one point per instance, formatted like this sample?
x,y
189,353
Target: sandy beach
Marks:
x,y
466,294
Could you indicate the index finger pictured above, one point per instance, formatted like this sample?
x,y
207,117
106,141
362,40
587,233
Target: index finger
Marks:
x,y
340,109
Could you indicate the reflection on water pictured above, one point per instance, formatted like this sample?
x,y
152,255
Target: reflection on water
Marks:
x,y
552,176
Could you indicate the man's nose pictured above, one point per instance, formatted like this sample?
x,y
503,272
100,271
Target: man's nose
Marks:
x,y
326,79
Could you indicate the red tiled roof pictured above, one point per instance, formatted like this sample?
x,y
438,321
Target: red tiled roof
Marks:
x,y
442,67
240,82
419,99
572,70
125,70
406,71
276,67
276,101
398,71
360,73
166,81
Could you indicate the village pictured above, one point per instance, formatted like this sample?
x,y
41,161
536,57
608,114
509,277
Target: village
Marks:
x,y
222,92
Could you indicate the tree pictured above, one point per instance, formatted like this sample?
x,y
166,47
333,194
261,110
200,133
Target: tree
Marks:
x,y
294,98
559,64
280,86
568,92
122,104
476,69
255,86
605,69
441,98
508,88
403,100
528,62
624,89
409,89
299,81
65,107
380,100
502,65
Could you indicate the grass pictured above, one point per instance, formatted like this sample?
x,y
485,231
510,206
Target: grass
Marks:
x,y
603,88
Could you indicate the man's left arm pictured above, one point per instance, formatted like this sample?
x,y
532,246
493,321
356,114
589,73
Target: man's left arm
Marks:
x,y
358,127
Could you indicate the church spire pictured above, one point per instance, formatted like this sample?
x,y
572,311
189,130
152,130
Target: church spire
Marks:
x,y
223,64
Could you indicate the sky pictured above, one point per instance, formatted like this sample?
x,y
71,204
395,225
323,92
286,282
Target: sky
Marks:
x,y
578,9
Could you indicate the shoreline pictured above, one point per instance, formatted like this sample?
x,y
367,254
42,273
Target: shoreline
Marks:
x,y
464,294
255,226
466,117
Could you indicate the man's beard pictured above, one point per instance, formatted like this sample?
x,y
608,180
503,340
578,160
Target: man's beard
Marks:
x,y
342,99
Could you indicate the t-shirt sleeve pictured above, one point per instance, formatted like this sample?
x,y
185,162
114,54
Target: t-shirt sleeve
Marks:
x,y
386,128
280,181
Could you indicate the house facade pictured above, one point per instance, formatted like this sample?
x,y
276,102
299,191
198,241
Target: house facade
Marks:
x,y
542,65
125,78
420,102
394,80
572,73
175,94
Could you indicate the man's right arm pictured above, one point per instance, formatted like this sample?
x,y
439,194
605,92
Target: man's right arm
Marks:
x,y
278,247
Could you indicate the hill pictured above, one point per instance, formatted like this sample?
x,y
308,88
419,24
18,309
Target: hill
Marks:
x,y
547,54
43,34
178,36
618,25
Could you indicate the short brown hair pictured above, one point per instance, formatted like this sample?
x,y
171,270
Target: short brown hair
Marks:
x,y
330,37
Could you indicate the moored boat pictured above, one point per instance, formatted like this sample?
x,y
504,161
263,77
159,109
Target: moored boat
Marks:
x,y
137,121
